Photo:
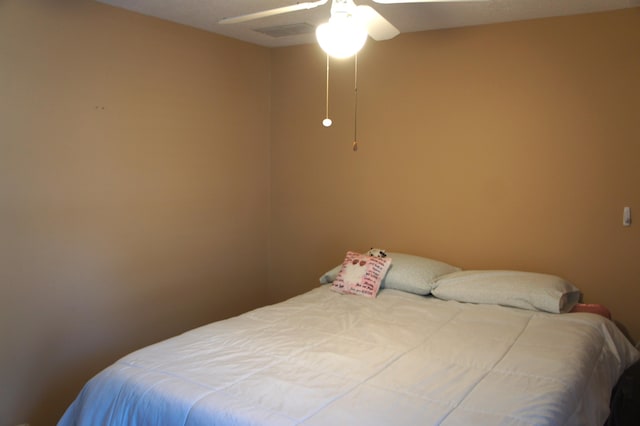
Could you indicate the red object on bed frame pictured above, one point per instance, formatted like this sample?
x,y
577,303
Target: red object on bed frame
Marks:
x,y
593,308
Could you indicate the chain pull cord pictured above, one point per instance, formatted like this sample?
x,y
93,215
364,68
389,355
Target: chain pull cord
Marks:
x,y
327,121
355,113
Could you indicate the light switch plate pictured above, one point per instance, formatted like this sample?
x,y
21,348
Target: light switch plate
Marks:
x,y
626,216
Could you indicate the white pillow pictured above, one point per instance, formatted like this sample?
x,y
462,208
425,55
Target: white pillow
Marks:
x,y
361,274
526,290
330,275
413,274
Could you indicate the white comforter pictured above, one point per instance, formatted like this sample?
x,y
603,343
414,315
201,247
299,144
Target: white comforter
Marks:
x,y
327,359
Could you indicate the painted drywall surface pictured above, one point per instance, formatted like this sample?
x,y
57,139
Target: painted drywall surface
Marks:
x,y
492,147
133,191
512,146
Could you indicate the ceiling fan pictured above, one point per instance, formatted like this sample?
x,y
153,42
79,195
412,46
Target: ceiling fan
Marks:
x,y
346,31
343,35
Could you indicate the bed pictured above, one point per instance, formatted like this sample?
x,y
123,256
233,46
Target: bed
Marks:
x,y
399,358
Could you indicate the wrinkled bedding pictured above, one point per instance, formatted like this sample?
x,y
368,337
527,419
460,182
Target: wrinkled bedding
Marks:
x,y
328,359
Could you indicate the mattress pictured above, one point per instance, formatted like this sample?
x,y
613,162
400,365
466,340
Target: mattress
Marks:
x,y
323,358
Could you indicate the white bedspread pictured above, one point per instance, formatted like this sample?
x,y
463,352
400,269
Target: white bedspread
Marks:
x,y
327,359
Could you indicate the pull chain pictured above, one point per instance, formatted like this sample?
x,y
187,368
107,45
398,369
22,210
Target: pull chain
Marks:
x,y
327,121
355,113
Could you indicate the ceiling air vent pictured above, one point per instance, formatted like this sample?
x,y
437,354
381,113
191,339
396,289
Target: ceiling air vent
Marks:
x,y
287,30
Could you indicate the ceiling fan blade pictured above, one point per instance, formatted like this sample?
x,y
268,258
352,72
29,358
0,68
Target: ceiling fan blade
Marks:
x,y
377,26
272,12
419,1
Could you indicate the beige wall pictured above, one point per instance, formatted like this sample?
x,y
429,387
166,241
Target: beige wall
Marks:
x,y
511,146
138,161
134,188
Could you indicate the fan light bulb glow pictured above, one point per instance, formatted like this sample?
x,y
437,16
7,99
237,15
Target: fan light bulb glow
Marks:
x,y
341,37
327,122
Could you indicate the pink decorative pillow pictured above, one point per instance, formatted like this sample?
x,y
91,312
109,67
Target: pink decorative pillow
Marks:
x,y
361,274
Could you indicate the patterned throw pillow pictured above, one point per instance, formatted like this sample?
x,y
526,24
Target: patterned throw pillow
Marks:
x,y
361,274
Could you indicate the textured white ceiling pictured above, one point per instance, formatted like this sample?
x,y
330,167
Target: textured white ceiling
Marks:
x,y
204,14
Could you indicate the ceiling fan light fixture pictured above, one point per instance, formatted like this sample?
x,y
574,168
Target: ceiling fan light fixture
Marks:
x,y
341,37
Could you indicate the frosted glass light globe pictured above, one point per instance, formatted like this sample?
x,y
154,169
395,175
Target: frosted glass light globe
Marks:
x,y
341,37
